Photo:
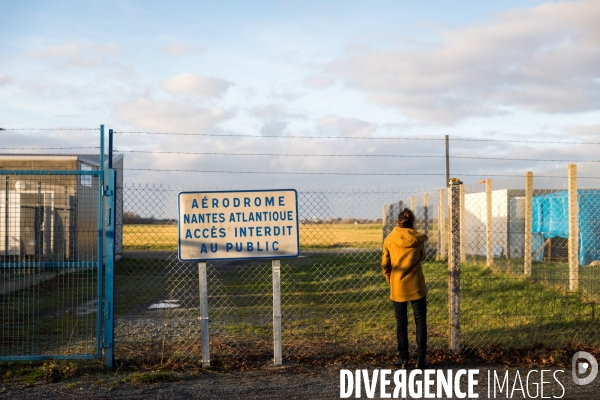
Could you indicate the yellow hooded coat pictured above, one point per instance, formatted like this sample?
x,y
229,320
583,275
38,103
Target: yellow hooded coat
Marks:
x,y
403,252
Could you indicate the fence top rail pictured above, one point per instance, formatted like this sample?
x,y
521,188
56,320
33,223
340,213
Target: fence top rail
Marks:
x,y
315,189
55,264
48,172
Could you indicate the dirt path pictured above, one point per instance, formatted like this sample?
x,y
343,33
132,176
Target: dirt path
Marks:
x,y
287,383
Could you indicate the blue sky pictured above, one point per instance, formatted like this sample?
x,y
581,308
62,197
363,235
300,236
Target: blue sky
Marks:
x,y
508,70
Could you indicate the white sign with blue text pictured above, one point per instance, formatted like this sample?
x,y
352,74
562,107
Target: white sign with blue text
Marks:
x,y
238,225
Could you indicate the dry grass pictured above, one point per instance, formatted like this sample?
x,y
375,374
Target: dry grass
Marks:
x,y
149,237
312,236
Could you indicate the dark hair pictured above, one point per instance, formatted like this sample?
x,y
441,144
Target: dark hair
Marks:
x,y
406,219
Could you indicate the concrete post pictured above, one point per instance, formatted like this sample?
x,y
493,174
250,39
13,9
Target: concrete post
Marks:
x,y
442,225
527,249
384,223
573,229
454,265
390,220
489,223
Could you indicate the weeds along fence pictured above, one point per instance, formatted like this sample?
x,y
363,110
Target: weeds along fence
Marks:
x,y
517,289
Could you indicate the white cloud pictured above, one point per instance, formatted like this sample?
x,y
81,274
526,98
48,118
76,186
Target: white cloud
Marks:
x,y
78,54
591,132
275,110
268,111
169,116
275,118
4,79
200,86
181,49
347,126
545,59
273,128
319,82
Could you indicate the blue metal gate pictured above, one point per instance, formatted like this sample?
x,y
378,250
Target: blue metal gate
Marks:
x,y
53,226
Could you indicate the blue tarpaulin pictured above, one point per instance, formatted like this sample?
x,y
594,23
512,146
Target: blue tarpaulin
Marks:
x,y
551,219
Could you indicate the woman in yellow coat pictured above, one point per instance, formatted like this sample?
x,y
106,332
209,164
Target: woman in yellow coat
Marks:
x,y
403,252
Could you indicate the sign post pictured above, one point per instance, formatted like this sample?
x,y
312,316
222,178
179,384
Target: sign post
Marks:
x,y
276,271
203,289
238,225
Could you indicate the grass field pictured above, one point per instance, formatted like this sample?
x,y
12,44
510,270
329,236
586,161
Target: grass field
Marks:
x,y
338,304
57,316
312,236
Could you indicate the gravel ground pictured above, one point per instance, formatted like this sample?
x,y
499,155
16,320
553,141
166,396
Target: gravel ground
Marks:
x,y
285,382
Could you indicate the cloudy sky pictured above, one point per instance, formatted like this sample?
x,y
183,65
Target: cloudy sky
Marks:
x,y
306,92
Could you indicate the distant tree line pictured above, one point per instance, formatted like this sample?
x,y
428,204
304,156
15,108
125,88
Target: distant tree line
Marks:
x,y
341,221
130,217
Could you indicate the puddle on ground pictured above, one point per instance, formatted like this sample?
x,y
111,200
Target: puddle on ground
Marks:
x,y
165,304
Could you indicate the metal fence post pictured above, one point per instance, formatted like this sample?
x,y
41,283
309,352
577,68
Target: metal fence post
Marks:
x,y
573,229
489,250
109,272
528,222
276,267
110,148
100,284
454,264
6,217
203,287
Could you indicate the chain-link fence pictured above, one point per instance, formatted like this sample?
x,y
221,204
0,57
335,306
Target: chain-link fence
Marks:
x,y
335,300
530,252
334,297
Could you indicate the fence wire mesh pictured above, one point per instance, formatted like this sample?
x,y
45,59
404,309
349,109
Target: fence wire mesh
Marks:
x,y
48,265
521,283
334,298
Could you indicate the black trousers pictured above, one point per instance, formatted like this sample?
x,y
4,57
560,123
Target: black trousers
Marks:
x,y
420,309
